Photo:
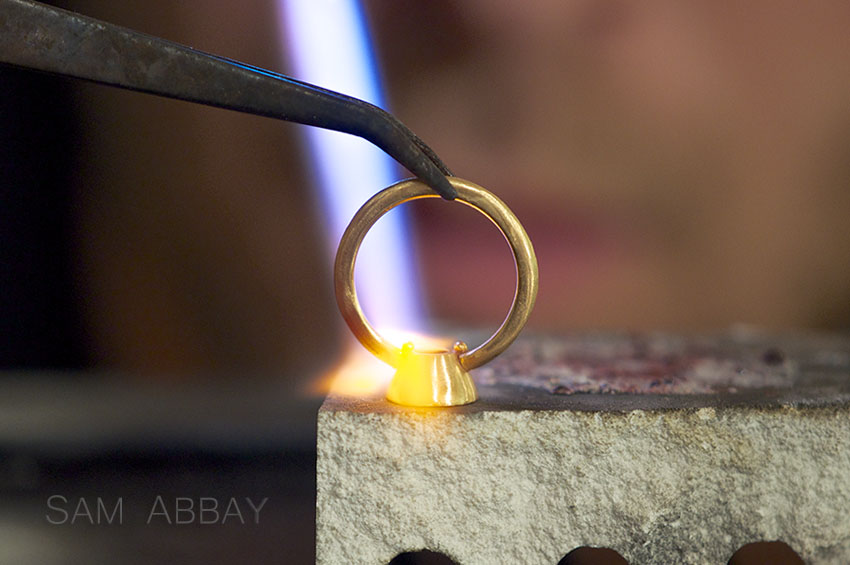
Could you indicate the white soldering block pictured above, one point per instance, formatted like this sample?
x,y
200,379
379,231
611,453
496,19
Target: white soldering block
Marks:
x,y
541,464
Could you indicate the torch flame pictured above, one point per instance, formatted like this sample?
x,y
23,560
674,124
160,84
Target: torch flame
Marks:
x,y
328,45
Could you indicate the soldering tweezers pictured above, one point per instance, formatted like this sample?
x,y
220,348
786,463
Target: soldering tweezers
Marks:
x,y
44,38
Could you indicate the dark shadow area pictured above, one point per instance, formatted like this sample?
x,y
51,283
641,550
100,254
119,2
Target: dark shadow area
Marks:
x,y
423,557
766,553
40,320
593,556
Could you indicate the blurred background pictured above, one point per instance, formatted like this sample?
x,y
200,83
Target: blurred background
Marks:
x,y
166,303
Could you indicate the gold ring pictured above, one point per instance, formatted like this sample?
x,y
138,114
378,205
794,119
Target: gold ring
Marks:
x,y
472,195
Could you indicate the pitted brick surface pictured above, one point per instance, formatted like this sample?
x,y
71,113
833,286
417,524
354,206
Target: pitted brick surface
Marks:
x,y
661,480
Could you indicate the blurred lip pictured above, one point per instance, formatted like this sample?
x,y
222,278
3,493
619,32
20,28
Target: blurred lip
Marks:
x,y
580,230
575,246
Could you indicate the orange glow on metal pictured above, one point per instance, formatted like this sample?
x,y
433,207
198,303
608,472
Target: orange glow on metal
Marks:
x,y
362,375
431,378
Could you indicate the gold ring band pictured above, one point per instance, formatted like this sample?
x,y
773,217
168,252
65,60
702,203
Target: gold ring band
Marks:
x,y
473,196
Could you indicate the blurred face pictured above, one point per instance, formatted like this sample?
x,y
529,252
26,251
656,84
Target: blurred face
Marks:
x,y
677,164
